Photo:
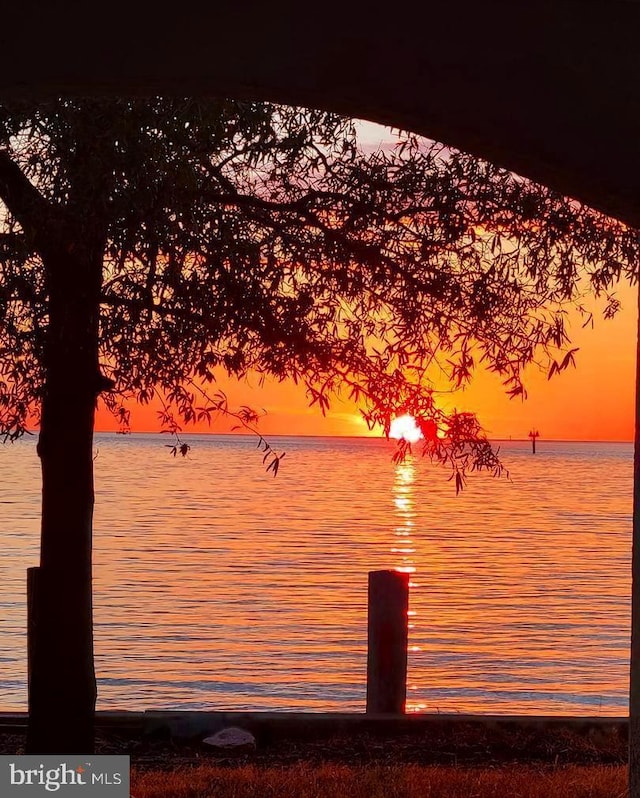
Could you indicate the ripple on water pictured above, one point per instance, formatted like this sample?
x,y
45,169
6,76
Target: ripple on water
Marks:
x,y
219,587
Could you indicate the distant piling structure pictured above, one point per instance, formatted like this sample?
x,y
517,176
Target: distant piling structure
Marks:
x,y
388,635
533,435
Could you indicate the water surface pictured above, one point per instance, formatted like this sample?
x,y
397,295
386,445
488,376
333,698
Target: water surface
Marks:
x,y
217,586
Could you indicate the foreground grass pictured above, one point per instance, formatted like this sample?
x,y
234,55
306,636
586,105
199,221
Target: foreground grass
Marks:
x,y
379,781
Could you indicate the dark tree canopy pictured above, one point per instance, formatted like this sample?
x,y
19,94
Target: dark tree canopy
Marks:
x,y
249,236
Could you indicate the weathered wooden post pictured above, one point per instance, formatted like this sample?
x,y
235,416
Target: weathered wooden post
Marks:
x,y
33,581
388,632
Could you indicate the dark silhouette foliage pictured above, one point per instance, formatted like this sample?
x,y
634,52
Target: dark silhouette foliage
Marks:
x,y
245,236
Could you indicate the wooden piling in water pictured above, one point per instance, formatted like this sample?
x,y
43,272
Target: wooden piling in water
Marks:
x,y
388,633
33,582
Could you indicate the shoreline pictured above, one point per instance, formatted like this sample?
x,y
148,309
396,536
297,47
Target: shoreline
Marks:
x,y
189,724
165,741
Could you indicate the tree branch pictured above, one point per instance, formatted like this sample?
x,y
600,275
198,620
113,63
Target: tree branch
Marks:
x,y
139,305
24,201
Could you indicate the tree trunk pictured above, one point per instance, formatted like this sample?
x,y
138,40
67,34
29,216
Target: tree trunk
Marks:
x,y
62,687
634,685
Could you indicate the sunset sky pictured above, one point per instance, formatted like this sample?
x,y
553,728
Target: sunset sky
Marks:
x,y
591,402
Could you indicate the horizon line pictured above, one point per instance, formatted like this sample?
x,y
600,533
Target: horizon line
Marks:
x,y
358,437
36,431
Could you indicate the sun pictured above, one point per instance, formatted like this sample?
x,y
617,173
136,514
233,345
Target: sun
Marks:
x,y
405,427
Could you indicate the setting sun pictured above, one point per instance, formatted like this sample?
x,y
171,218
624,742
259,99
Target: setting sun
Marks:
x,y
405,427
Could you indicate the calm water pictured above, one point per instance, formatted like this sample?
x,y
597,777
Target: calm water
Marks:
x,y
220,587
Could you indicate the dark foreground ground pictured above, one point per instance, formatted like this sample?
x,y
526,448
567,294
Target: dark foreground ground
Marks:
x,y
448,759
470,744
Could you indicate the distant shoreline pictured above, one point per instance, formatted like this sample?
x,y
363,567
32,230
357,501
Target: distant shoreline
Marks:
x,y
203,433
541,441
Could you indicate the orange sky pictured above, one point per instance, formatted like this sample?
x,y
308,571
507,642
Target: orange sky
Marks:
x,y
591,402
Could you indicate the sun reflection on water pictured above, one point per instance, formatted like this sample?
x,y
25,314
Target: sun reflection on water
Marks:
x,y
404,548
